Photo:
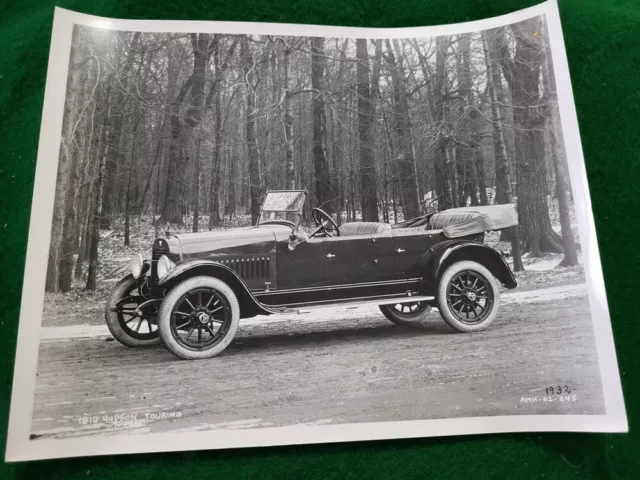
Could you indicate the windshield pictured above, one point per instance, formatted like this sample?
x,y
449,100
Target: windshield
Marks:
x,y
283,205
290,201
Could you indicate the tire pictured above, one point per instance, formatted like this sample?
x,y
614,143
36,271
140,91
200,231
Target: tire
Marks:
x,y
193,306
465,277
415,312
122,325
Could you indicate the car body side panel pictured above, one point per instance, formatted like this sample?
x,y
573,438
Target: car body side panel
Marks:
x,y
272,302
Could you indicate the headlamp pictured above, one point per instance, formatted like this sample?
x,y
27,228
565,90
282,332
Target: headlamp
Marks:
x,y
136,265
164,266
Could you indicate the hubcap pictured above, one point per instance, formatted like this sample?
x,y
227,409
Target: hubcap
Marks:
x,y
137,316
200,319
470,297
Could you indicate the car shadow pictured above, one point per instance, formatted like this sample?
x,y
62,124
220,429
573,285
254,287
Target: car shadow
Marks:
x,y
295,338
291,337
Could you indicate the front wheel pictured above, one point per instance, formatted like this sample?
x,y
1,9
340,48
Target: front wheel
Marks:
x,y
468,297
199,318
131,318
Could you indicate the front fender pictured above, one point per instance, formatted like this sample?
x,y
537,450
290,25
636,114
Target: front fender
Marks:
x,y
432,264
249,304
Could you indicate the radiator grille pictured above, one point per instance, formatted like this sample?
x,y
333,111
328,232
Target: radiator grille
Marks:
x,y
251,268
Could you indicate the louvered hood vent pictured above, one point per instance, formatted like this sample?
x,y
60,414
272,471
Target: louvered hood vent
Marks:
x,y
256,267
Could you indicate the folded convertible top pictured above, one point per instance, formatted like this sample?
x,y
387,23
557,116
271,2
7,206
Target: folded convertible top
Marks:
x,y
460,222
485,219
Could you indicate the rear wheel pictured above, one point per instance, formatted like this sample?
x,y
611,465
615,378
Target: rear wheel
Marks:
x,y
468,297
406,313
199,318
132,319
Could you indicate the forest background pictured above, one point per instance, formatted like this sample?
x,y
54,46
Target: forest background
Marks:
x,y
187,132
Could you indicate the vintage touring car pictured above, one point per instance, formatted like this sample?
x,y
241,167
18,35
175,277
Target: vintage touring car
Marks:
x,y
196,287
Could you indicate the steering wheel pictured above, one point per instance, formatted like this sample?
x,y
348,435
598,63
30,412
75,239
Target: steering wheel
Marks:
x,y
324,223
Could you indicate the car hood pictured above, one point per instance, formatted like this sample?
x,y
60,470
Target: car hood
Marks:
x,y
227,243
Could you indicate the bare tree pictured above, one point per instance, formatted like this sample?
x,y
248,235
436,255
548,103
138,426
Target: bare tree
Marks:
x,y
406,161
559,159
290,166
202,47
248,67
172,125
368,90
522,72
321,165
442,164
503,175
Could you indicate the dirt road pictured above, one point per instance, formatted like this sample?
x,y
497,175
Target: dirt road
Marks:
x,y
353,366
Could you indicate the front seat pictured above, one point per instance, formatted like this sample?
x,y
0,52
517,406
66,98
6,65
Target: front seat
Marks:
x,y
352,229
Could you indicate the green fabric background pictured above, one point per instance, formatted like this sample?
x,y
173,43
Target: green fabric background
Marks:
x,y
602,43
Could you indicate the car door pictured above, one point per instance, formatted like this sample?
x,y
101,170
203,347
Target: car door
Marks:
x,y
408,245
303,267
358,259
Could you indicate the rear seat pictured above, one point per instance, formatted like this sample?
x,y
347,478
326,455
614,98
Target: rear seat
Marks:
x,y
436,223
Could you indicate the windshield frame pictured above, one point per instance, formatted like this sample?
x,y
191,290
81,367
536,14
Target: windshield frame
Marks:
x,y
297,212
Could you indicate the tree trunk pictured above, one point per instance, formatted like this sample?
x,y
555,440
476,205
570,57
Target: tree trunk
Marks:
x,y
339,151
482,186
214,209
69,239
250,124
444,191
64,170
84,227
365,89
231,200
116,132
196,196
320,163
523,76
557,148
94,239
171,207
127,213
466,146
491,44
406,163
290,167
203,46
491,41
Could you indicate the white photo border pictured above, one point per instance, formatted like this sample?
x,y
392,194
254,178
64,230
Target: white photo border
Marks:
x,y
19,445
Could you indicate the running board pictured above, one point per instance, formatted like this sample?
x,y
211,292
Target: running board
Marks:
x,y
353,304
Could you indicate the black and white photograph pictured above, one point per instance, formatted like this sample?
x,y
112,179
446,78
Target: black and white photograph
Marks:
x,y
261,234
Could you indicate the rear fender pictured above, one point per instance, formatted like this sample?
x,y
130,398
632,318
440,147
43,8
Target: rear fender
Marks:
x,y
249,304
432,264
